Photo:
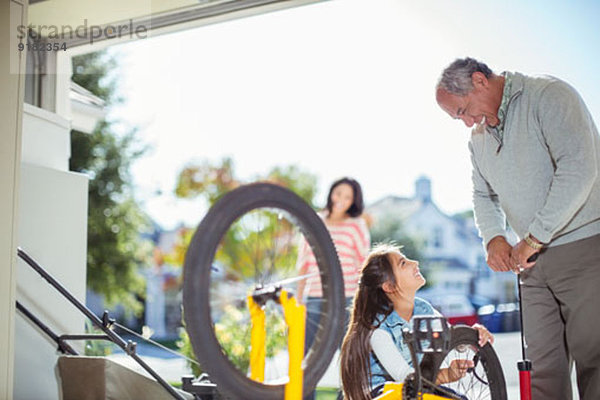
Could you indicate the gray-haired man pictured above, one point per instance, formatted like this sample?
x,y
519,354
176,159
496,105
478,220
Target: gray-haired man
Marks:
x,y
535,153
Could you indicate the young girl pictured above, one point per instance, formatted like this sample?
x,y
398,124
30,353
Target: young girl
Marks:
x,y
373,350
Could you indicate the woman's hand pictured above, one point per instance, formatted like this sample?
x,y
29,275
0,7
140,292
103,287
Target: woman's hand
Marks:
x,y
484,335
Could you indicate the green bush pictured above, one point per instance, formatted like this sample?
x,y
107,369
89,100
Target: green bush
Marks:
x,y
233,332
96,348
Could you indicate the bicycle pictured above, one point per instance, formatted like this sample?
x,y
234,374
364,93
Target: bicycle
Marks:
x,y
440,344
243,254
249,241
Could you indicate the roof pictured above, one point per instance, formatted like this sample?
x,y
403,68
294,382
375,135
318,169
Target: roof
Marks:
x,y
404,208
87,109
394,206
80,94
113,21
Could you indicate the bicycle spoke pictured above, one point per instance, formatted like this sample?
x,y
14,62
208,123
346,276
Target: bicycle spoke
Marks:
x,y
256,254
312,323
260,248
251,236
271,251
474,385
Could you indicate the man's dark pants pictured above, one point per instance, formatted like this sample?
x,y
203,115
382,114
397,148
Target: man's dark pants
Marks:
x,y
561,310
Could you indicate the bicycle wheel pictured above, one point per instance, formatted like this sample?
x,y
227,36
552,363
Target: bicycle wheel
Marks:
x,y
250,239
484,381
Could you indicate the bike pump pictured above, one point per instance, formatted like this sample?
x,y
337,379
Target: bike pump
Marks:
x,y
525,364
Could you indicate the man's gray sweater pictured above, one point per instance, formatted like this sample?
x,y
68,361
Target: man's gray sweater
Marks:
x,y
543,171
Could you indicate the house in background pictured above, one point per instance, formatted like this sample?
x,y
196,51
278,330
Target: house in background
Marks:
x,y
162,309
454,258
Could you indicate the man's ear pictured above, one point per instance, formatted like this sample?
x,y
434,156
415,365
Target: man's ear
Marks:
x,y
479,80
388,287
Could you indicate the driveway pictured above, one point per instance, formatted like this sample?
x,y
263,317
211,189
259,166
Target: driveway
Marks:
x,y
507,345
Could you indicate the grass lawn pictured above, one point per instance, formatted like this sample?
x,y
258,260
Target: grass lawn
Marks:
x,y
324,393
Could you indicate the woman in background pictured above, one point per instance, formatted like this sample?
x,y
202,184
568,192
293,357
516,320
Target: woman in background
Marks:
x,y
350,235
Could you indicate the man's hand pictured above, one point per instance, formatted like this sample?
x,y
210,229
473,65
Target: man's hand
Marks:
x,y
520,254
498,255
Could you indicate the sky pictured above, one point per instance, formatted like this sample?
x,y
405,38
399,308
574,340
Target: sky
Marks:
x,y
339,88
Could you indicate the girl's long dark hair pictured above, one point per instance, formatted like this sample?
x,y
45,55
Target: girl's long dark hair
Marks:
x,y
369,301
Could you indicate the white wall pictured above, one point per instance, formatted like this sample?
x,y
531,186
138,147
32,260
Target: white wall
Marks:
x,y
12,66
46,139
53,230
52,224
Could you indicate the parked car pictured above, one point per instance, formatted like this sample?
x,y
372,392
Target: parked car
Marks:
x,y
490,318
502,317
455,307
509,315
479,301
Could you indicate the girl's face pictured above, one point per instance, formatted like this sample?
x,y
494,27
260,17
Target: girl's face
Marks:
x,y
342,197
407,273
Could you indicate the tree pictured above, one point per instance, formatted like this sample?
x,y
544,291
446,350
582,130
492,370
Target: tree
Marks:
x,y
302,183
390,229
464,215
211,181
206,180
96,73
115,221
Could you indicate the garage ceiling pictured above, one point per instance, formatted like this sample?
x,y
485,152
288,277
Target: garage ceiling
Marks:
x,y
78,21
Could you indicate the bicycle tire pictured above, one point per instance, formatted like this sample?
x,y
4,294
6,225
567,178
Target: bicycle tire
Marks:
x,y
463,341
197,267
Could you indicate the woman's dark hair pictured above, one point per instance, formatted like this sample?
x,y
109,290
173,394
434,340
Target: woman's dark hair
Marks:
x,y
369,301
357,207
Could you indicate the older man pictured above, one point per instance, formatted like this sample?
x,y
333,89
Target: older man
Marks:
x,y
535,153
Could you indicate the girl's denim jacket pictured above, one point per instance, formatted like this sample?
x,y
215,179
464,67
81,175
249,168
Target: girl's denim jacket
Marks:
x,y
394,324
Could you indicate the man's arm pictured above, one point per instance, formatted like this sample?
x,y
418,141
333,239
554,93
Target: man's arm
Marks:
x,y
489,217
490,220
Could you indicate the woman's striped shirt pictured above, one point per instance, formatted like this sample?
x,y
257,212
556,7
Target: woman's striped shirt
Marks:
x,y
352,242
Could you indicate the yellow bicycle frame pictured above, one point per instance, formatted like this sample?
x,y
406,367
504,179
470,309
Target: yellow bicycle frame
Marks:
x,y
258,336
295,318
393,391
